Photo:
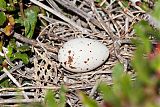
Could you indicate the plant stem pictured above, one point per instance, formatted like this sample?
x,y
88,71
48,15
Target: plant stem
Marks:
x,y
21,8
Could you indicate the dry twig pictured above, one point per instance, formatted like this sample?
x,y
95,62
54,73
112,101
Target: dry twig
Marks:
x,y
67,4
60,16
11,101
34,43
14,81
11,70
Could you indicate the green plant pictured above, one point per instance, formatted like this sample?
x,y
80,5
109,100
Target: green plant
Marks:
x,y
144,90
50,100
15,15
125,92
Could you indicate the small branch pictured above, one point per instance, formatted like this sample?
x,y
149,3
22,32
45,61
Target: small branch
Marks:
x,y
11,70
60,16
54,5
27,88
14,81
102,23
69,6
7,101
113,21
34,43
94,89
7,94
21,8
73,87
115,39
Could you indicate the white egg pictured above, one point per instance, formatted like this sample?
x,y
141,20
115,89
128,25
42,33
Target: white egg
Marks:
x,y
82,54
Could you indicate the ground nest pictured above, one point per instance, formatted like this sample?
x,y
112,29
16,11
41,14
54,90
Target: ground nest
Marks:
x,y
111,25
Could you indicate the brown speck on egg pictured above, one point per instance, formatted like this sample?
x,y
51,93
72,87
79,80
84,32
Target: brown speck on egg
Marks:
x,y
70,59
87,69
85,61
69,51
81,50
90,51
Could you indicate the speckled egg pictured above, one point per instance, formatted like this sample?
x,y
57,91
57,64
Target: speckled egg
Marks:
x,y
82,54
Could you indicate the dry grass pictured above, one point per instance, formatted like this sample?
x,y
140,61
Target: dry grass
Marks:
x,y
111,25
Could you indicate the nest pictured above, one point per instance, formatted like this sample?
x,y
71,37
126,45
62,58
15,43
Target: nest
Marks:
x,y
114,29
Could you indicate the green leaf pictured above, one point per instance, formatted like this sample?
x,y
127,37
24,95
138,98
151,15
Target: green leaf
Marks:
x,y
1,45
12,43
124,3
98,1
1,68
20,21
117,72
126,87
31,20
1,59
3,5
144,31
122,83
141,65
138,96
144,7
23,48
22,56
108,95
10,51
2,18
155,63
104,5
10,8
87,101
50,99
156,13
62,101
5,83
15,1
27,25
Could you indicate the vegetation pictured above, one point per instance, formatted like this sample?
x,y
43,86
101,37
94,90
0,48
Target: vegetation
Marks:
x,y
126,91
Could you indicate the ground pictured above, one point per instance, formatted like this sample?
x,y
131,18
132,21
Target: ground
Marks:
x,y
108,21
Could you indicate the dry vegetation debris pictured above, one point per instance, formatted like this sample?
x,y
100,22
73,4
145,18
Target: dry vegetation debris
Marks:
x,y
64,20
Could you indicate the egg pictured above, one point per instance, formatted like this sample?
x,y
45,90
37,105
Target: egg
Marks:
x,y
82,54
